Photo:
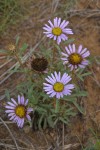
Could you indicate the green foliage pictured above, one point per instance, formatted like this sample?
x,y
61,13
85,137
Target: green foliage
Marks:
x,y
11,12
66,7
92,146
23,49
82,74
7,94
95,143
48,111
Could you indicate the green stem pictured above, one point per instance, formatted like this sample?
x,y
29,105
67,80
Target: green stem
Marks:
x,y
18,59
74,77
54,51
57,106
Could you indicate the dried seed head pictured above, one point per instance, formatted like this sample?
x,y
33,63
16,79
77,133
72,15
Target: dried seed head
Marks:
x,y
39,64
11,47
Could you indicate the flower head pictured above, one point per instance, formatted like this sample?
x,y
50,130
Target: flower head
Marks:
x,y
58,86
39,64
57,30
75,58
11,47
18,111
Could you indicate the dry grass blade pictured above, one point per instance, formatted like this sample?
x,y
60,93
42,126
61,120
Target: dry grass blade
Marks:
x,y
70,146
13,147
7,122
54,5
10,133
5,63
83,12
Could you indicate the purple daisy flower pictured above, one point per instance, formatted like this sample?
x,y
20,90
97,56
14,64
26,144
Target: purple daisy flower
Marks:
x,y
58,86
18,111
57,30
75,58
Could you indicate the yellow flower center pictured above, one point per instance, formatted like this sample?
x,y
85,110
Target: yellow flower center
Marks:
x,y
57,31
58,87
75,59
20,111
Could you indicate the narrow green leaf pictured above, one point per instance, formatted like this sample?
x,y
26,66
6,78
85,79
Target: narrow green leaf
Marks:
x,y
23,48
7,94
86,74
80,77
63,120
3,51
50,121
45,123
40,121
79,107
17,40
69,41
80,93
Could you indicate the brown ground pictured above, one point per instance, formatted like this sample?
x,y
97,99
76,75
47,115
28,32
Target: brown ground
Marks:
x,y
85,21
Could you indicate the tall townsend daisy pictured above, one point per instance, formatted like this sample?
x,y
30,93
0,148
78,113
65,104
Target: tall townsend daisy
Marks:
x,y
57,30
57,85
75,58
18,111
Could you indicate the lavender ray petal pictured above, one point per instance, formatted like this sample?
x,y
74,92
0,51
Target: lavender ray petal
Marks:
x,y
14,101
10,111
64,24
19,99
82,66
28,117
58,40
53,94
80,49
11,114
51,24
64,54
85,62
73,48
48,85
48,27
64,37
29,110
10,107
26,102
55,22
12,117
58,95
55,37
67,50
83,51
59,21
11,104
86,54
70,48
22,100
